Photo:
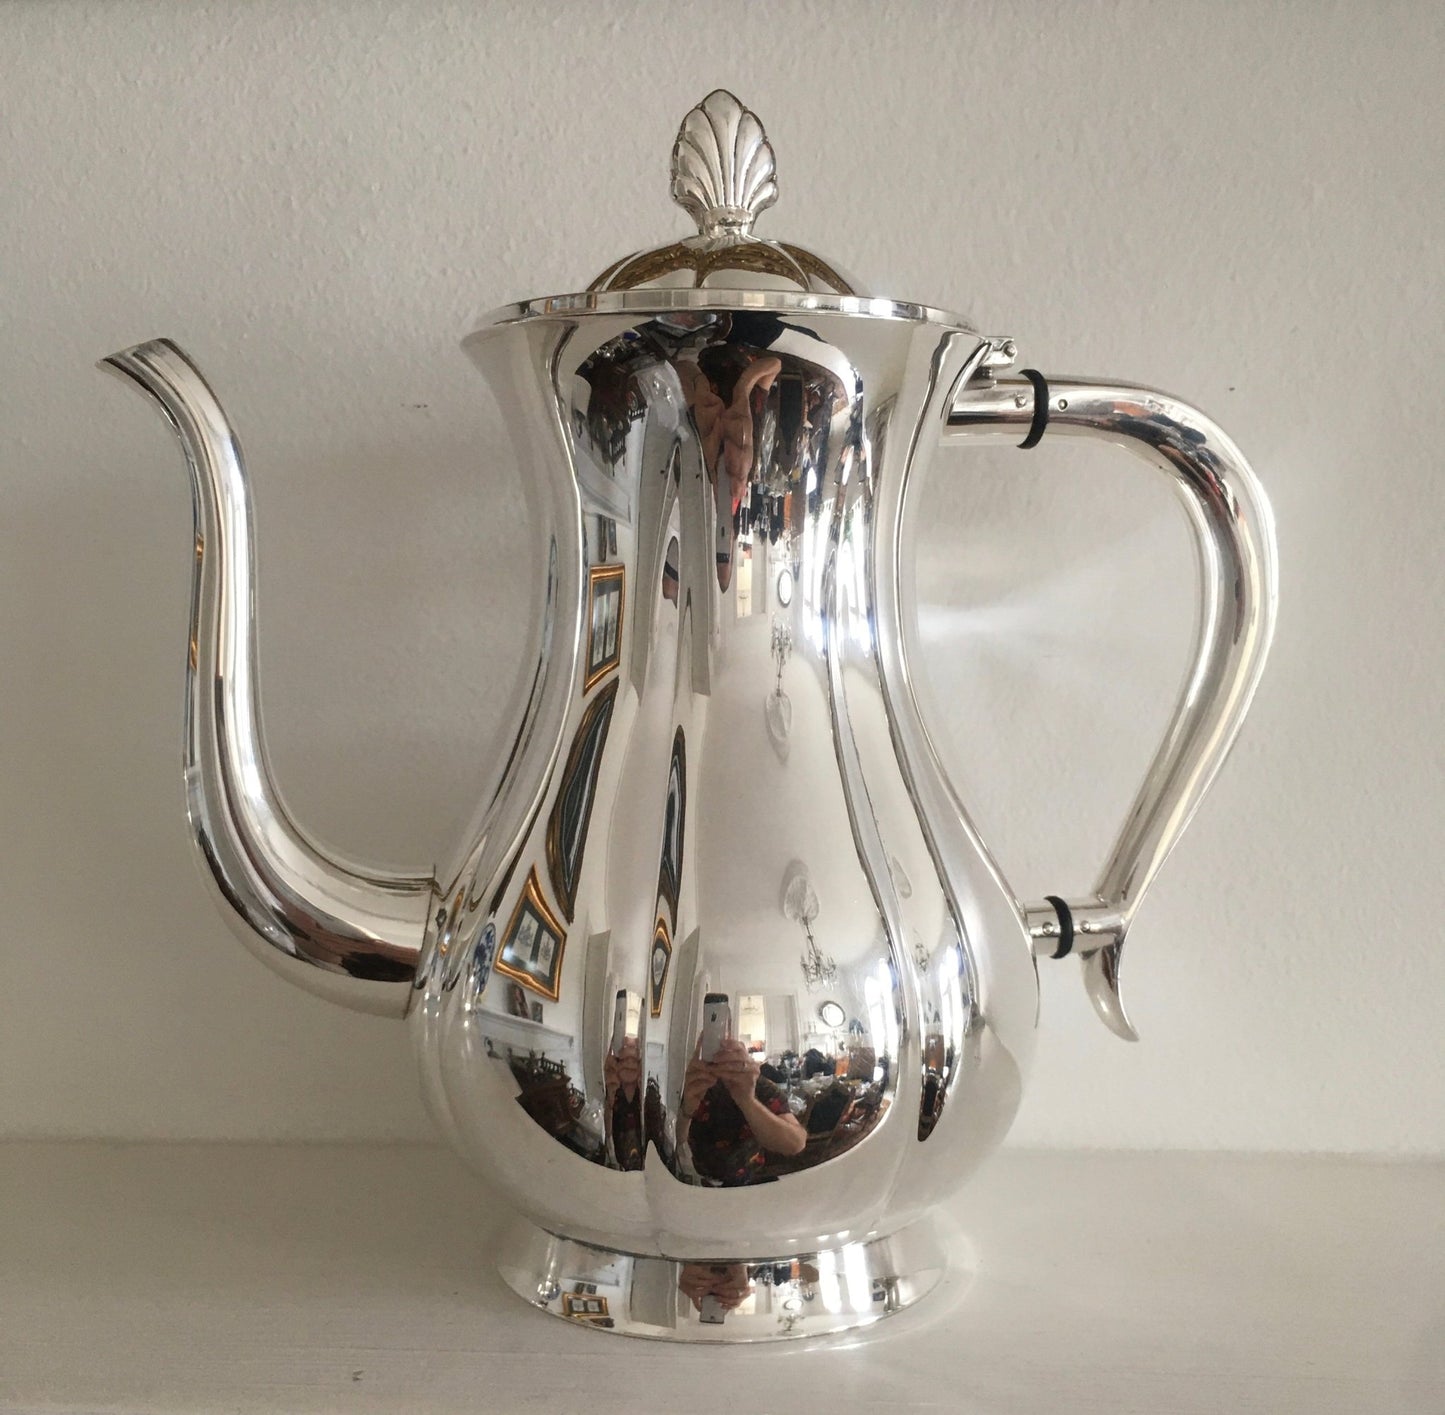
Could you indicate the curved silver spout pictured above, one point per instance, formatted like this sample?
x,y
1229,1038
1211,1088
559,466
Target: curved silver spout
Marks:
x,y
349,935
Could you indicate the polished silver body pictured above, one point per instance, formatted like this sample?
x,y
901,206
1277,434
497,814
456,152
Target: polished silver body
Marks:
x,y
720,783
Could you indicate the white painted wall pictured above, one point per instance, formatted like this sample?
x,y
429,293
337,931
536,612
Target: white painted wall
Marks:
x,y
1239,202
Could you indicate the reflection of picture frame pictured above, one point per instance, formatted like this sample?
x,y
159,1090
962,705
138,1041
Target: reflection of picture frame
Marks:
x,y
605,594
572,810
533,942
658,963
583,1307
674,821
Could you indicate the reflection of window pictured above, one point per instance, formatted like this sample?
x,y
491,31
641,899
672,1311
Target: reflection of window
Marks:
x,y
744,579
873,996
952,1020
752,1026
882,1021
853,580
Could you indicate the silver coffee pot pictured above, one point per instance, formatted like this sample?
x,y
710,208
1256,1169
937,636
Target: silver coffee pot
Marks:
x,y
720,989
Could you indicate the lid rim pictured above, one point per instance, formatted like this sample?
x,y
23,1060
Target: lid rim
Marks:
x,y
664,301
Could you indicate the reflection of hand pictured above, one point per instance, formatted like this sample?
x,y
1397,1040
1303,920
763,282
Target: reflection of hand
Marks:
x,y
699,1080
736,1070
622,1070
727,1282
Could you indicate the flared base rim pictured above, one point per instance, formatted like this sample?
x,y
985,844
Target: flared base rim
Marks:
x,y
716,1301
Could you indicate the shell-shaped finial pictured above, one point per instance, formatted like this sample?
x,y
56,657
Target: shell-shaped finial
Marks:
x,y
722,166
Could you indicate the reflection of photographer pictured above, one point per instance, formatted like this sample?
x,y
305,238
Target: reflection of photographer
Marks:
x,y
622,1075
732,1116
726,399
714,1288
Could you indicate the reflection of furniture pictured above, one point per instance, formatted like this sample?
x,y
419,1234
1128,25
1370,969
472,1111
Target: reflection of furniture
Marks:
x,y
541,1059
545,1091
931,1105
520,1034
547,1094
827,1110
837,1115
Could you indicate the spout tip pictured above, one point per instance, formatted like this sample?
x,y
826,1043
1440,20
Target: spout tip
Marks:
x,y
124,359
161,370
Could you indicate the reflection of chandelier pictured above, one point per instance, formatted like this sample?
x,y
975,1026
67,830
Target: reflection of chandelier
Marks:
x,y
819,969
800,904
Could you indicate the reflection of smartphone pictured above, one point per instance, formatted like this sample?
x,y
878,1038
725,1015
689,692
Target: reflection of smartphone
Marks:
x,y
717,1026
790,411
713,1312
619,1021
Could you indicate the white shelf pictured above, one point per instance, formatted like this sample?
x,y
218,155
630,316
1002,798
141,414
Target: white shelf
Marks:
x,y
245,1278
524,1035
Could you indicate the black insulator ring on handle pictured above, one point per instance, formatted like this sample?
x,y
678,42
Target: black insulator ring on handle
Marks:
x,y
1041,408
1066,926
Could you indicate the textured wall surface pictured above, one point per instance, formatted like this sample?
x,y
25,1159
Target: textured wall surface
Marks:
x,y
1239,202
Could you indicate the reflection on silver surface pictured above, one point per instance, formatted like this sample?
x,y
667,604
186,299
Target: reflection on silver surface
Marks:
x,y
695,848
720,794
835,1288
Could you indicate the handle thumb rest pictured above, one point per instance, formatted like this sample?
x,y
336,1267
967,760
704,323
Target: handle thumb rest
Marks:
x,y
1234,539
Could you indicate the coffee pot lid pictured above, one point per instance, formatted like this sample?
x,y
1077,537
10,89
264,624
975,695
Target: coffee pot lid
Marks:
x,y
724,176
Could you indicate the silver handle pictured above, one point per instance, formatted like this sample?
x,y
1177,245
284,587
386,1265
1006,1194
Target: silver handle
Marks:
x,y
1235,544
